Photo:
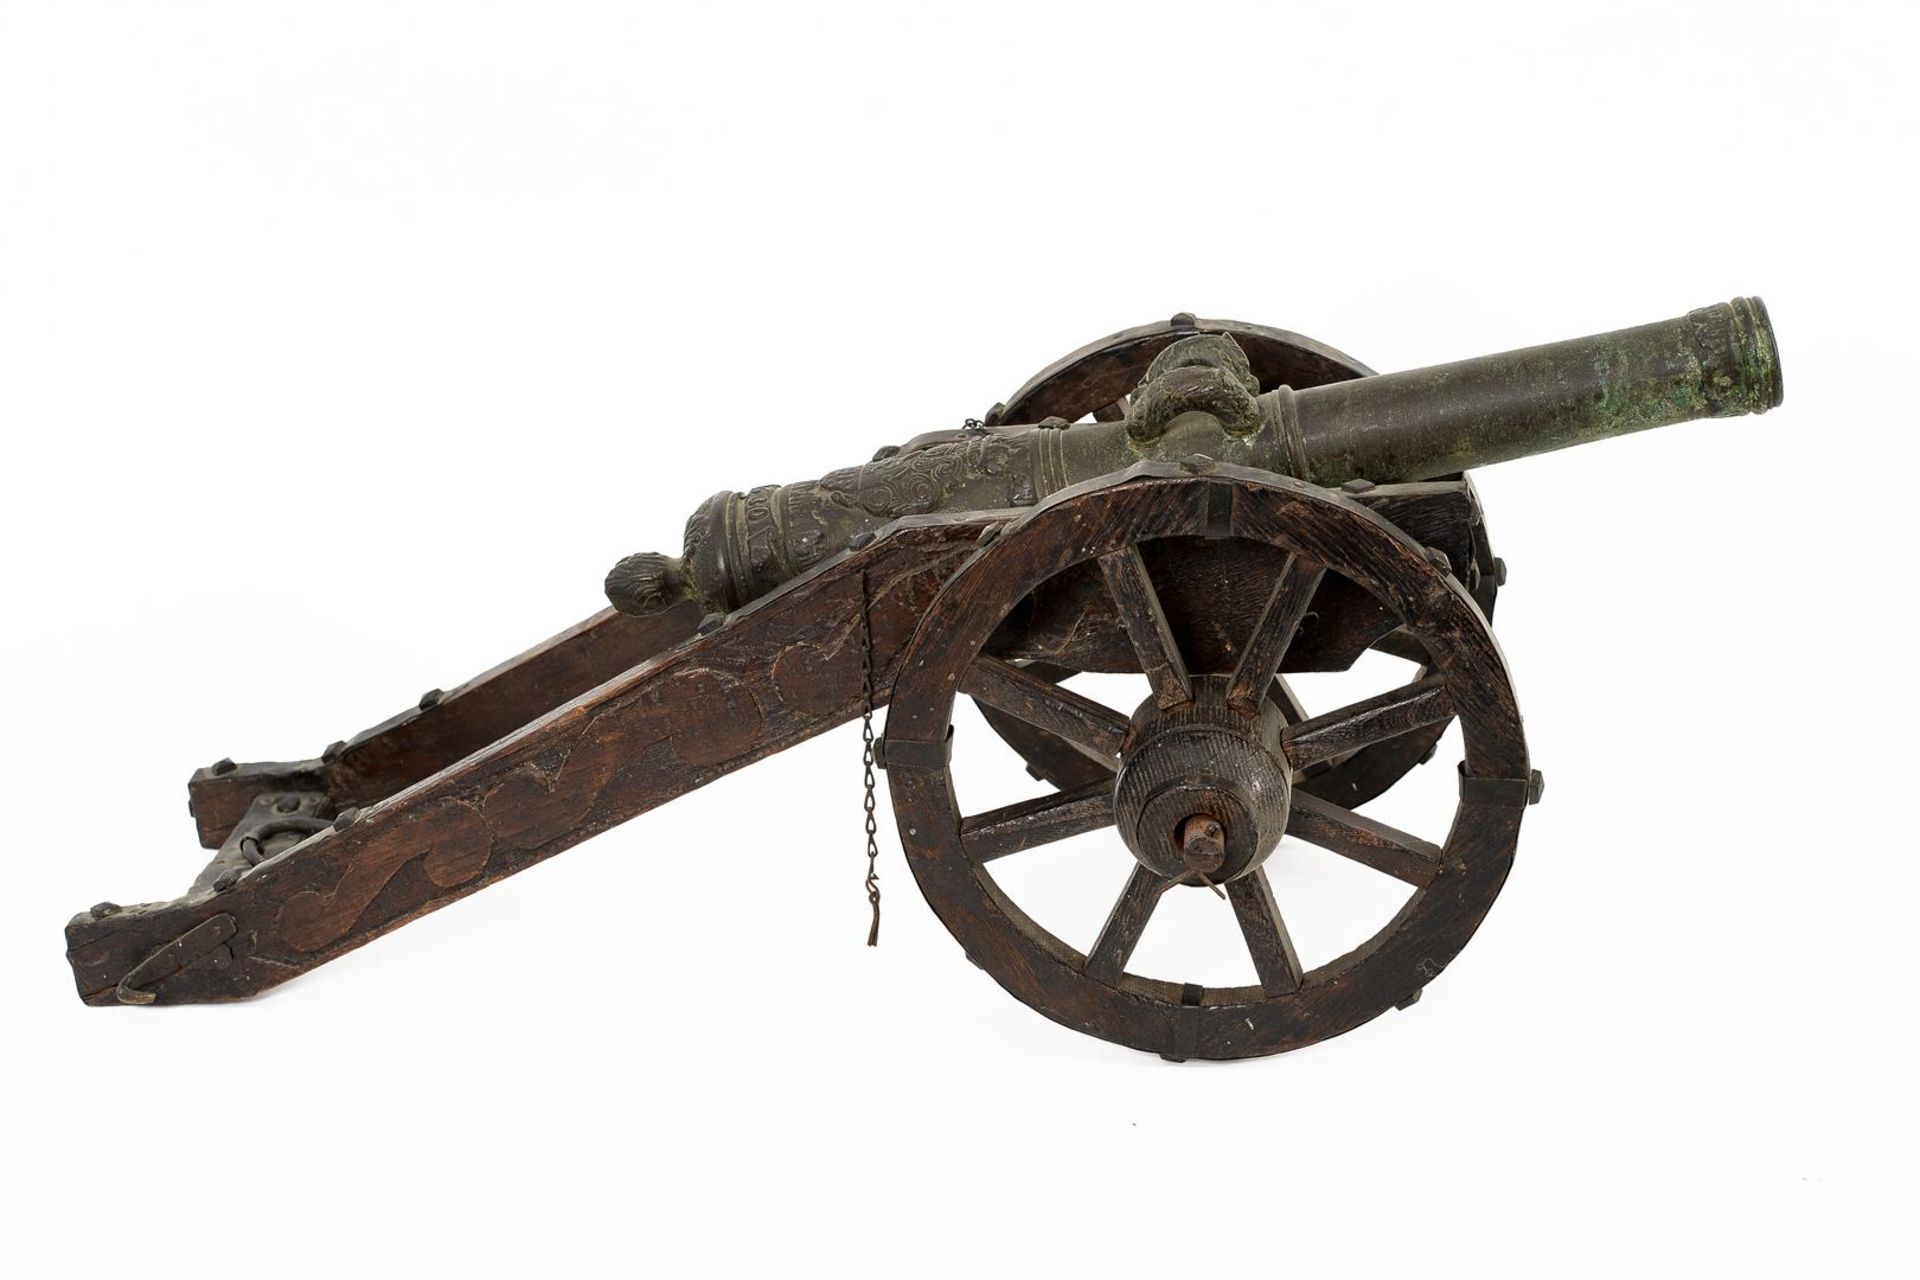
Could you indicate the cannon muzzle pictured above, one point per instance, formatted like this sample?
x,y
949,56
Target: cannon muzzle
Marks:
x,y
1199,396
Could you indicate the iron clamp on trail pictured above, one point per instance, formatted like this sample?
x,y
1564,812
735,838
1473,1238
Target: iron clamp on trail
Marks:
x,y
1218,511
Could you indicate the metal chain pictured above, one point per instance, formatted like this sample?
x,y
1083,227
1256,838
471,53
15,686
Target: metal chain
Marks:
x,y
866,762
972,426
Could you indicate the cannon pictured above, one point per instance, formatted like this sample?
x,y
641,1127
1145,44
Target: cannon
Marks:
x,y
1206,513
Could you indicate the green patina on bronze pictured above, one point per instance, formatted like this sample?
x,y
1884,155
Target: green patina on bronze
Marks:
x,y
1714,362
1199,397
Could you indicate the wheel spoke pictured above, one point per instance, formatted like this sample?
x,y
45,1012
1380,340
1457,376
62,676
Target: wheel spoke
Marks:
x,y
1403,644
1045,705
1146,623
1371,843
1125,923
1397,711
1268,941
1258,665
1292,710
1015,827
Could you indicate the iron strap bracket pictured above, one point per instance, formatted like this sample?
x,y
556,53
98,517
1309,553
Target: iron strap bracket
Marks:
x,y
1510,792
174,957
905,753
1186,1026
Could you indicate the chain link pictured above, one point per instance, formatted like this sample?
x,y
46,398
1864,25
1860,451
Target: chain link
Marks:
x,y
866,763
972,426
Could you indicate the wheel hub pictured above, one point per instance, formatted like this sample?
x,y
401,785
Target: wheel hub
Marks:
x,y
1203,790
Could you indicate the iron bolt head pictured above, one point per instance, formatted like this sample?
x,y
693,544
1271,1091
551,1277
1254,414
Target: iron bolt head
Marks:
x,y
1183,320
1536,786
224,764
333,751
1198,464
859,540
1499,572
431,698
226,880
346,819
1055,423
1438,559
710,624
101,910
1358,484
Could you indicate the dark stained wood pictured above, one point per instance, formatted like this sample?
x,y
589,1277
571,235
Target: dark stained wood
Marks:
x,y
1139,608
1442,514
779,672
1049,758
1098,993
218,796
1283,696
1043,820
1387,715
1213,594
1268,942
1403,644
422,740
1273,634
1365,840
1062,712
1107,958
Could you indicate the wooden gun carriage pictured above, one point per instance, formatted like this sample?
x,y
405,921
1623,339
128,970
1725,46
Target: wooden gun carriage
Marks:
x,y
1210,507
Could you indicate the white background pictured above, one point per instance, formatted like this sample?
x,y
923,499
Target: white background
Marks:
x,y
343,348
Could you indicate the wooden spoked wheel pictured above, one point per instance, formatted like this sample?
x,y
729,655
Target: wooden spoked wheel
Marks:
x,y
1201,779
1094,382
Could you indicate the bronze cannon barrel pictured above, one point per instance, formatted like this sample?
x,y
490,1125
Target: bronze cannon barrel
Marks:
x,y
1715,362
1199,397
